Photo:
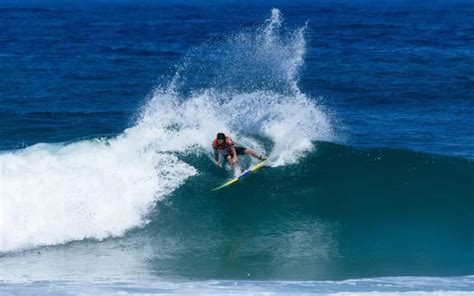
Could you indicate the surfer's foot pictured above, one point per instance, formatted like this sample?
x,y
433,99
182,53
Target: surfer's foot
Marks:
x,y
237,171
262,157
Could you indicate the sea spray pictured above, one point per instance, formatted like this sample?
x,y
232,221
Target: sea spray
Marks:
x,y
245,85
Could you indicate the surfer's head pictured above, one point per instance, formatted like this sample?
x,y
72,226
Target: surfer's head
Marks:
x,y
220,138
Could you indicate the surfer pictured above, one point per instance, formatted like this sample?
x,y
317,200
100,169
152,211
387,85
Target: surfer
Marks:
x,y
225,146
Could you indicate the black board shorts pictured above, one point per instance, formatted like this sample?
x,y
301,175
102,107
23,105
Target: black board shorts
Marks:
x,y
238,150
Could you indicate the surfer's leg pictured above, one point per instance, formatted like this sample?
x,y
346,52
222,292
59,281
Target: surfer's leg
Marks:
x,y
246,151
228,157
236,168
254,154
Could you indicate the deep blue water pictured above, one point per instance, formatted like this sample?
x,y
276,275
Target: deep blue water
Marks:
x,y
107,110
392,75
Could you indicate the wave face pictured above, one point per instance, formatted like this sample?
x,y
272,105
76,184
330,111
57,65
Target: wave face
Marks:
x,y
55,193
338,213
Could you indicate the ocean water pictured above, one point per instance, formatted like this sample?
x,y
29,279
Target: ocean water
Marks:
x,y
108,109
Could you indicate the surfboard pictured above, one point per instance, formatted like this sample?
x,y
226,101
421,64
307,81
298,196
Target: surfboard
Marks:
x,y
242,175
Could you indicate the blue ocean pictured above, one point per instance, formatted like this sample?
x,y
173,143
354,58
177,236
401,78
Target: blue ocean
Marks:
x,y
107,113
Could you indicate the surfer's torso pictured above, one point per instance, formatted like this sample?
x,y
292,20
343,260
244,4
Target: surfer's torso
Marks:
x,y
225,147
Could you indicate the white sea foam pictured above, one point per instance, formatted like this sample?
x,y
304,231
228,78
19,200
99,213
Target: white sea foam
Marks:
x,y
52,194
216,287
292,123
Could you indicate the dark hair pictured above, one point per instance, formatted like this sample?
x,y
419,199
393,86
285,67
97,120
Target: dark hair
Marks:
x,y
220,136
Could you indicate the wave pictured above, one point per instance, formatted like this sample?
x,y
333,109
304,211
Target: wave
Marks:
x,y
337,213
55,193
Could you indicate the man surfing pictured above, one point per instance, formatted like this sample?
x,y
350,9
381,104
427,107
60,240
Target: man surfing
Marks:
x,y
224,146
